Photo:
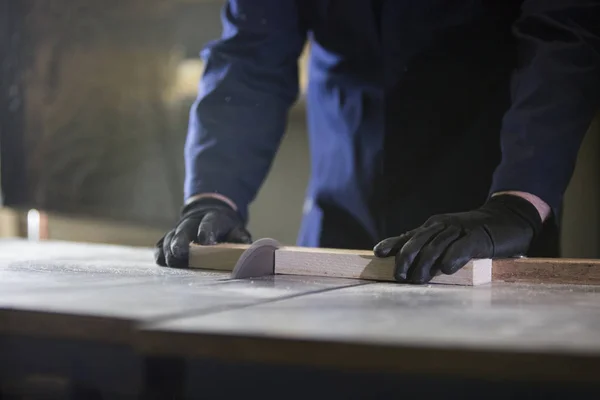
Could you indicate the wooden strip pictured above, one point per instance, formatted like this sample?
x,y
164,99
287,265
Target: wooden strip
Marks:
x,y
339,263
547,270
10,226
362,264
221,257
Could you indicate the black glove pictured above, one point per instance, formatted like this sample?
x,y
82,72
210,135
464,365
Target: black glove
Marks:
x,y
504,227
206,222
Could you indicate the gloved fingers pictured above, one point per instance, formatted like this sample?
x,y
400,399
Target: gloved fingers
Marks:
x,y
389,247
408,253
239,234
215,227
170,259
167,245
179,246
425,265
159,253
476,244
206,230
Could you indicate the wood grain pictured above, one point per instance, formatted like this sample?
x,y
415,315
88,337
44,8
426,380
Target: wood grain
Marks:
x,y
359,264
362,264
220,257
339,263
10,223
547,270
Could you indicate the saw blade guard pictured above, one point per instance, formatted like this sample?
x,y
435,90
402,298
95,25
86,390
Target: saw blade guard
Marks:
x,y
258,260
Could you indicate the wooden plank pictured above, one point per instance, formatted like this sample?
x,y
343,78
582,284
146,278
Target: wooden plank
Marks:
x,y
513,331
361,264
547,270
220,257
340,263
9,223
358,264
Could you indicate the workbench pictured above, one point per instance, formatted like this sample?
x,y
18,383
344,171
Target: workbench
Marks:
x,y
103,321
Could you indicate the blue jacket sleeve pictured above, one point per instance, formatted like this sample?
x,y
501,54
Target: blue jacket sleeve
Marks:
x,y
249,82
555,95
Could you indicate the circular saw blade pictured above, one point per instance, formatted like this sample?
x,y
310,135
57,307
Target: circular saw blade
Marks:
x,y
258,260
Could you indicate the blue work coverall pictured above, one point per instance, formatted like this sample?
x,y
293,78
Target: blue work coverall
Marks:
x,y
414,107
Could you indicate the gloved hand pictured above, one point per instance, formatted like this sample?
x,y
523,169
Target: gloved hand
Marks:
x,y
206,222
503,227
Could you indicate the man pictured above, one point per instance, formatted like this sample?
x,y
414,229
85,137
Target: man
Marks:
x,y
439,131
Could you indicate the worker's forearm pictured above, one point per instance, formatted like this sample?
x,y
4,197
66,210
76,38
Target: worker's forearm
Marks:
x,y
249,83
555,94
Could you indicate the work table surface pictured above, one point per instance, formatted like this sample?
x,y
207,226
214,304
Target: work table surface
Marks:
x,y
117,294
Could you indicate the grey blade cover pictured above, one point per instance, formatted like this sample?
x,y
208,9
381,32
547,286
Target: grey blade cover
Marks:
x,y
257,261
